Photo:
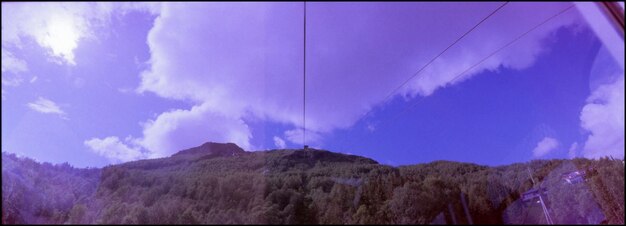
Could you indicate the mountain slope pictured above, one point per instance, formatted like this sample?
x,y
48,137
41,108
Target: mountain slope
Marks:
x,y
220,183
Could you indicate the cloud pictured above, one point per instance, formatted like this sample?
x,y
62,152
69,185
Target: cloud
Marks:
x,y
176,130
295,136
46,106
603,114
114,149
250,56
235,60
545,146
280,143
179,129
11,80
11,69
12,64
58,27
500,31
603,117
572,153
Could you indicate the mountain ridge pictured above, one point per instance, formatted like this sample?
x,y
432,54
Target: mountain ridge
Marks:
x,y
212,148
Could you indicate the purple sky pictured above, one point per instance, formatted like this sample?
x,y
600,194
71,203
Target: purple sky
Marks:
x,y
99,83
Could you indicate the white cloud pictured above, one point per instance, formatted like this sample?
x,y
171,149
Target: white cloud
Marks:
x,y
12,64
11,80
295,136
33,79
241,65
59,26
180,129
572,153
279,142
46,106
114,150
234,60
603,114
545,146
502,28
55,26
11,69
603,117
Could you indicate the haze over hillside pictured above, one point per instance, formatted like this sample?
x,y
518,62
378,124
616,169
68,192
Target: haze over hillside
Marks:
x,y
221,183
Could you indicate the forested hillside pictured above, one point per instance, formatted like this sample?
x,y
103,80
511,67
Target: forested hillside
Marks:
x,y
37,193
220,183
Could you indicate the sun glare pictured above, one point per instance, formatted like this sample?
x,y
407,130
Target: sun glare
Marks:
x,y
62,37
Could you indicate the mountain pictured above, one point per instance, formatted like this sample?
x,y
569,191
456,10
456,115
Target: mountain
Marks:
x,y
222,184
213,150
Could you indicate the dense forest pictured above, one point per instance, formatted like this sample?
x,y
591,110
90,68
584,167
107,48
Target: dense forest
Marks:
x,y
221,183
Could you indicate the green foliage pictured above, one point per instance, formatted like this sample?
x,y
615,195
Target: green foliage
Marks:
x,y
43,193
306,187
